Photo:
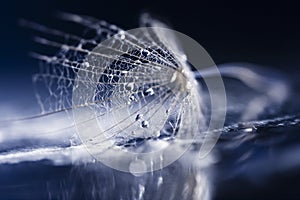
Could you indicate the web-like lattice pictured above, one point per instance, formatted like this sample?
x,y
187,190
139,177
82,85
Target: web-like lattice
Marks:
x,y
136,83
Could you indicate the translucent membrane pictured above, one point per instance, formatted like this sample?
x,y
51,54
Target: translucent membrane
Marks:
x,y
130,92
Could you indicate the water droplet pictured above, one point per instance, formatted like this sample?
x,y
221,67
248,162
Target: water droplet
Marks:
x,y
139,117
110,76
157,134
144,124
247,128
149,92
174,77
129,86
137,62
85,64
132,98
184,57
145,52
123,73
121,35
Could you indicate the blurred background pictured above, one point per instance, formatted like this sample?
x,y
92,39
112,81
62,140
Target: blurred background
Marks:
x,y
259,32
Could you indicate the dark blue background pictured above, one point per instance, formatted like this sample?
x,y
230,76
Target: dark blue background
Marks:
x,y
262,33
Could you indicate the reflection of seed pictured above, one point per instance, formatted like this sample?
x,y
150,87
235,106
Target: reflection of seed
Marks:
x,y
138,117
144,124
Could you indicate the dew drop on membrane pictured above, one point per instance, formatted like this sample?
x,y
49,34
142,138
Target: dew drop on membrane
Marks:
x,y
149,92
129,86
139,117
144,124
145,52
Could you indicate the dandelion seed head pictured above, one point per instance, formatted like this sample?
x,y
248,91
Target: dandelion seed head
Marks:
x,y
126,90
